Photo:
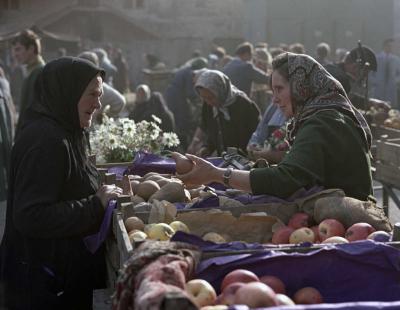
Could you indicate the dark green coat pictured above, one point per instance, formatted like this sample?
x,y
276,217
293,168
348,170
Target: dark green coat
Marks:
x,y
328,151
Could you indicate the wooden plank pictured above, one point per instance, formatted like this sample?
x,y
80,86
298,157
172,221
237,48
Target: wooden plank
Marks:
x,y
112,274
388,174
110,178
378,131
112,252
124,245
388,152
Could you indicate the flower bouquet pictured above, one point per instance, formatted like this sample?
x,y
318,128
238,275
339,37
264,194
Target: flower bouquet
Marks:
x,y
118,140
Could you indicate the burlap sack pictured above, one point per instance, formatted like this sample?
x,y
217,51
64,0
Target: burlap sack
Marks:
x,y
349,211
307,204
285,211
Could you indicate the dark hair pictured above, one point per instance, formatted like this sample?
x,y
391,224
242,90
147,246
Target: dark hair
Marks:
x,y
280,65
28,38
244,48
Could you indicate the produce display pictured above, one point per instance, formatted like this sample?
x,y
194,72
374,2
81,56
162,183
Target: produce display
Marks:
x,y
158,196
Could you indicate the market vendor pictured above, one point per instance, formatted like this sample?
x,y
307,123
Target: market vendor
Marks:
x,y
330,140
55,198
228,116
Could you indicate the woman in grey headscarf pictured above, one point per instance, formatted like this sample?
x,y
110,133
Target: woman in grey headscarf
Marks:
x,y
228,117
330,140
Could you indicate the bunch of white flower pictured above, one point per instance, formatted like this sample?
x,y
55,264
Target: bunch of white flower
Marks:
x,y
117,140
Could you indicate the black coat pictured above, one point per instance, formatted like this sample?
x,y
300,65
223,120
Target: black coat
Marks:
x,y
236,132
157,106
51,204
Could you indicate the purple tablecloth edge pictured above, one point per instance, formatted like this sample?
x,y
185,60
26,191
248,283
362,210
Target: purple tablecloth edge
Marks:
x,y
93,242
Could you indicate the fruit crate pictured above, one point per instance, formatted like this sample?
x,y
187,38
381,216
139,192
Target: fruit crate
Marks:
x,y
387,169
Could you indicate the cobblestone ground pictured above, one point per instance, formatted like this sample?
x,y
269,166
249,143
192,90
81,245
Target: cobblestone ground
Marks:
x,y
101,298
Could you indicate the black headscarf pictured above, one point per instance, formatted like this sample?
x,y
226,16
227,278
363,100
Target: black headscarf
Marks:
x,y
58,89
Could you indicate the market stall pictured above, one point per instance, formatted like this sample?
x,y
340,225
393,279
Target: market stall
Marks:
x,y
243,227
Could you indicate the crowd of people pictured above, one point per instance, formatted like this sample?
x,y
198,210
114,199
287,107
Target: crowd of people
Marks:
x,y
280,104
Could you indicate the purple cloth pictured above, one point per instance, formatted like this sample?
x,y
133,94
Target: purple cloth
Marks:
x,y
93,242
119,171
147,162
358,271
341,306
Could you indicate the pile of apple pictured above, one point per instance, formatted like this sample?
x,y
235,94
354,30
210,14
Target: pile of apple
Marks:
x,y
299,230
243,287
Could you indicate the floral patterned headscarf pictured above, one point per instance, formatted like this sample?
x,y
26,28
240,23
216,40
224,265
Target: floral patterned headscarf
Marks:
x,y
313,90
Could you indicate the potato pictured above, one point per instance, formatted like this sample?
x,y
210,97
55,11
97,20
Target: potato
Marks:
x,y
183,164
146,189
134,186
137,199
149,174
171,192
132,223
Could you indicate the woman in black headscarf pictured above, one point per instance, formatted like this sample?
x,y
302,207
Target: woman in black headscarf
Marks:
x,y
330,140
55,198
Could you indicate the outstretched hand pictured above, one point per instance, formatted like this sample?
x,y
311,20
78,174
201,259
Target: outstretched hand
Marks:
x,y
203,172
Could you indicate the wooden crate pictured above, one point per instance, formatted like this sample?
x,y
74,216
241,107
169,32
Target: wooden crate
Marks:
x,y
389,133
388,162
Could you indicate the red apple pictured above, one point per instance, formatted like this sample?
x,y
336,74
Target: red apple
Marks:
x,y
256,295
275,283
336,239
380,236
227,296
239,275
302,235
201,292
299,220
308,296
284,300
281,235
359,231
329,228
315,230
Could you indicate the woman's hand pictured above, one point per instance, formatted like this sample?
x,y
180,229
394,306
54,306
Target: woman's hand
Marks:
x,y
107,192
203,172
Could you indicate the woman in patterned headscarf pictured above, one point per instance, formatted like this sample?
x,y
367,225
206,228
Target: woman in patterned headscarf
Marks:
x,y
330,140
228,117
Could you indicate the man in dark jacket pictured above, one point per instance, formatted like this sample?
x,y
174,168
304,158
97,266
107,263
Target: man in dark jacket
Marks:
x,y
242,72
27,50
351,73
